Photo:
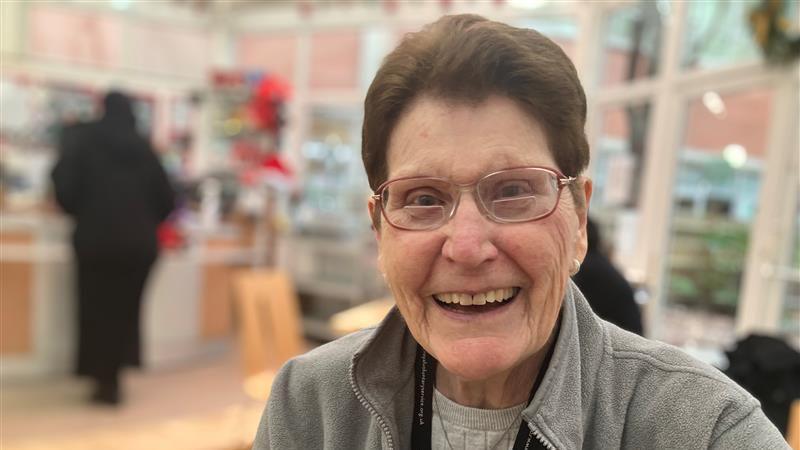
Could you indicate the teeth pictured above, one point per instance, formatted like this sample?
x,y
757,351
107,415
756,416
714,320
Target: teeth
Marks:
x,y
495,295
463,299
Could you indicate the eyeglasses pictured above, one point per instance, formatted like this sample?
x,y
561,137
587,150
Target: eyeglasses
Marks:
x,y
514,195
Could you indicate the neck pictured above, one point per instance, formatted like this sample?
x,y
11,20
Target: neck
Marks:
x,y
503,390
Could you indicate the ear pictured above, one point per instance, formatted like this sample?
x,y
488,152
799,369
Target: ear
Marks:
x,y
582,239
374,218
374,215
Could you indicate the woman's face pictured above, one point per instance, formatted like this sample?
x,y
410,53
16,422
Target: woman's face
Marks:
x,y
471,254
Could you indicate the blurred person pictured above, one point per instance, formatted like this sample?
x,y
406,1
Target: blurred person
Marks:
x,y
474,146
605,288
109,179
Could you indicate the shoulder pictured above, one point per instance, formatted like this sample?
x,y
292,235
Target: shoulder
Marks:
x,y
312,392
333,356
322,373
668,395
658,362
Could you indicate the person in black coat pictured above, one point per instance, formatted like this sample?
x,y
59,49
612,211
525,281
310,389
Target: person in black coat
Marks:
x,y
608,292
109,179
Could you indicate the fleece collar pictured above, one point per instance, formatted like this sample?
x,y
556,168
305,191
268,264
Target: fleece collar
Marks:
x,y
383,373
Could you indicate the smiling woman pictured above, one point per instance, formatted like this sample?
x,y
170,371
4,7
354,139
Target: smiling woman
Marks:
x,y
468,256
472,130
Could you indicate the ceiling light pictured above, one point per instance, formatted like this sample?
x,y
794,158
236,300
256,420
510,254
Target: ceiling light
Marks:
x,y
714,103
735,155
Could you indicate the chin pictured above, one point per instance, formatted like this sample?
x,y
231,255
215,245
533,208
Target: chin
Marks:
x,y
476,361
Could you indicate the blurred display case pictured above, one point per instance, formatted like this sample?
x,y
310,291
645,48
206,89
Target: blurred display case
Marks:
x,y
36,112
333,250
334,186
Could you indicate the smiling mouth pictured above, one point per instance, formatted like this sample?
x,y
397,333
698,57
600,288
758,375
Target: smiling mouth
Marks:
x,y
477,303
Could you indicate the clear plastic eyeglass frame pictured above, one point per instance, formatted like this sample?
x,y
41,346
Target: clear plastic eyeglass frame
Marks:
x,y
561,181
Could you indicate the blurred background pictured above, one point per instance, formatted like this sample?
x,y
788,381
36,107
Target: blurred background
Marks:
x,y
255,109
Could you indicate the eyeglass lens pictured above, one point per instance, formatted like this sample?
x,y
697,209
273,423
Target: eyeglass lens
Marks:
x,y
514,195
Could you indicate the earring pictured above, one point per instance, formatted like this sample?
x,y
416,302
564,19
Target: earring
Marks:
x,y
576,266
385,279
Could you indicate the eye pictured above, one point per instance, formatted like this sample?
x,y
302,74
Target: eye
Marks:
x,y
512,189
425,197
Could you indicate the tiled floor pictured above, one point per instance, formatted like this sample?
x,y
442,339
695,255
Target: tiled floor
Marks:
x,y
196,406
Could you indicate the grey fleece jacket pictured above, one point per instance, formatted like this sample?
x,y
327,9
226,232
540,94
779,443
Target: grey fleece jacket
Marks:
x,y
605,388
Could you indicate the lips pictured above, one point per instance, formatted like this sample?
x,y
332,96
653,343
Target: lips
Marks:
x,y
480,301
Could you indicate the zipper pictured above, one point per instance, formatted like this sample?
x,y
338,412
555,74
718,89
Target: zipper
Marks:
x,y
544,443
542,440
381,421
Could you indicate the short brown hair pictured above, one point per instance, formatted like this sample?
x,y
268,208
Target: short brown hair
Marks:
x,y
467,58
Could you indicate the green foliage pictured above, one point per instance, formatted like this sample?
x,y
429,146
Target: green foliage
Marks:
x,y
706,263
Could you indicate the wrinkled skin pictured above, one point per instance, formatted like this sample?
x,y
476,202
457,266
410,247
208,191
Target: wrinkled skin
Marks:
x,y
480,355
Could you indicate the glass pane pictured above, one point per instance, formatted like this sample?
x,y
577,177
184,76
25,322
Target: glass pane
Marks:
x,y
790,319
718,34
618,160
715,201
721,33
632,40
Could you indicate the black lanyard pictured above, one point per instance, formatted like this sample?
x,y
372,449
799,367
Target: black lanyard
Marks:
x,y
425,377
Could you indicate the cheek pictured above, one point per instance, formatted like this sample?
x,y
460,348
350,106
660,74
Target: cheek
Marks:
x,y
407,259
541,249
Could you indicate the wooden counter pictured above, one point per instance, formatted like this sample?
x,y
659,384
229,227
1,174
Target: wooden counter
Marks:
x,y
16,293
186,309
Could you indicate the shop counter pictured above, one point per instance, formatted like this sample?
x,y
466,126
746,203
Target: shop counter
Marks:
x,y
186,310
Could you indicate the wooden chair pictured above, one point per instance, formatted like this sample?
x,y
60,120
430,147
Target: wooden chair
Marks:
x,y
270,326
793,427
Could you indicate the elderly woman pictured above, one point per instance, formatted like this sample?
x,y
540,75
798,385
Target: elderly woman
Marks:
x,y
474,146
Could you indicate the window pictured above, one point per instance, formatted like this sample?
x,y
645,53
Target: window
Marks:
x,y
632,41
716,191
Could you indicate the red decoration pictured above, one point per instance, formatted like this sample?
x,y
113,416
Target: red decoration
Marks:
x,y
273,162
170,236
267,102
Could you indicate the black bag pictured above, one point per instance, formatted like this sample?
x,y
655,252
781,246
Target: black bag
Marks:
x,y
770,370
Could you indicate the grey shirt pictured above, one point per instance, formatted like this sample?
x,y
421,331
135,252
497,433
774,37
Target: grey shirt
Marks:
x,y
458,427
604,388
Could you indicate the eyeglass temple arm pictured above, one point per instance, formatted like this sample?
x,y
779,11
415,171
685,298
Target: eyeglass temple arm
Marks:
x,y
565,181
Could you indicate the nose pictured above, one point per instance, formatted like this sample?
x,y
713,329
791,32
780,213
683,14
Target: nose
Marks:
x,y
469,237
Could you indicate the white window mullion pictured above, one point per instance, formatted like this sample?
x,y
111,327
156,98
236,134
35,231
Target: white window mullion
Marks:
x,y
589,45
761,302
587,63
660,169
